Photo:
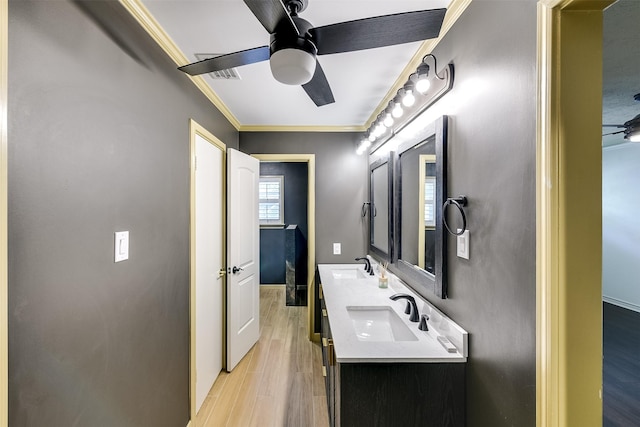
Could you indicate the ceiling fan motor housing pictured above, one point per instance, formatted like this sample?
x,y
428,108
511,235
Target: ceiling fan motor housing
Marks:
x,y
292,56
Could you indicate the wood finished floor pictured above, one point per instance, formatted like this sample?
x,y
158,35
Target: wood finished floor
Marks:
x,y
279,382
621,367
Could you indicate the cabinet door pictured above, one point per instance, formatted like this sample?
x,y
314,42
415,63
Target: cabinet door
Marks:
x,y
327,347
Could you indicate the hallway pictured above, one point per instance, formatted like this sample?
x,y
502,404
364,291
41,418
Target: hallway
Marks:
x,y
279,382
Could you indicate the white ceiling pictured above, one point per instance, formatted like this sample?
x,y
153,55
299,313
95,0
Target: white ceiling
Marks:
x,y
359,80
621,70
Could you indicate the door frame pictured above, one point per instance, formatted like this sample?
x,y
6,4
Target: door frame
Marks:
x,y
569,213
310,160
197,129
4,283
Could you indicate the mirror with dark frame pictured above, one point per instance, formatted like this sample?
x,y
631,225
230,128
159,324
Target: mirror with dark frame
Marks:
x,y
419,243
381,208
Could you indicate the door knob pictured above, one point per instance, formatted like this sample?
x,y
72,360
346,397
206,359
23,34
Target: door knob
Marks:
x,y
235,269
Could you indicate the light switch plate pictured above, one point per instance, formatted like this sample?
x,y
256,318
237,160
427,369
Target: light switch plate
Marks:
x,y
121,247
337,248
463,244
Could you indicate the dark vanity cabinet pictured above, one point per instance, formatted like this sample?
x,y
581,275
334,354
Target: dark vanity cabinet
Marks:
x,y
391,394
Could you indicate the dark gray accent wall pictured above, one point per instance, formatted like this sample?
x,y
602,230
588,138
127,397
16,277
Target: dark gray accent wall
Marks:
x,y
492,160
341,185
98,143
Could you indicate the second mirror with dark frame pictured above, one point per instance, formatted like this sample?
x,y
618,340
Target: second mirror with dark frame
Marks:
x,y
419,254
381,208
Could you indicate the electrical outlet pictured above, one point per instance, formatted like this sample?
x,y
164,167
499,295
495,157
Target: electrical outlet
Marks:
x,y
463,244
337,248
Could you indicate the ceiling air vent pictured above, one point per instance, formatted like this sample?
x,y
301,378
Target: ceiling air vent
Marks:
x,y
228,74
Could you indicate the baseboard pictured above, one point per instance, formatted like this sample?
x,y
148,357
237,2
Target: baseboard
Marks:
x,y
272,286
620,303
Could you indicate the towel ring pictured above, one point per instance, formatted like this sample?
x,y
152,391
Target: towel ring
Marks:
x,y
458,202
368,206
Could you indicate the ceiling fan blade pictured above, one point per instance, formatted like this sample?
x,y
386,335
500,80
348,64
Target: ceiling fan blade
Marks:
x,y
270,13
378,31
318,88
227,61
613,133
613,126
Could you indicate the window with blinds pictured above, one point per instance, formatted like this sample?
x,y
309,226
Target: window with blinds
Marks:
x,y
271,200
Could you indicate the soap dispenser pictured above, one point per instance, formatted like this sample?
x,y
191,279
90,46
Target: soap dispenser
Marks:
x,y
383,280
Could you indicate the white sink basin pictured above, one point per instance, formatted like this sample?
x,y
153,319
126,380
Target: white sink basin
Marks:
x,y
349,273
379,323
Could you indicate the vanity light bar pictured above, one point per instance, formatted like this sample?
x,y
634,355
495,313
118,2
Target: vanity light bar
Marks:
x,y
421,89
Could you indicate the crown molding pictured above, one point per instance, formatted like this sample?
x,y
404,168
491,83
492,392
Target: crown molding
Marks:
x,y
149,23
309,128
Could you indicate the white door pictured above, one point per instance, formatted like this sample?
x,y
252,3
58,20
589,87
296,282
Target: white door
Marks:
x,y
209,261
243,255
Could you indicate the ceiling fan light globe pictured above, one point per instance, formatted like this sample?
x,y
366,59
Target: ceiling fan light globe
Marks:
x,y
634,136
292,66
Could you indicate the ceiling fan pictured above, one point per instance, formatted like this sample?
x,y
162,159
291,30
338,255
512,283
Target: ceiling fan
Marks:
x,y
295,43
630,128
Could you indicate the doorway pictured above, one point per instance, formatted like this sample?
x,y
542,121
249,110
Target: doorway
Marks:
x,y
309,159
284,228
569,213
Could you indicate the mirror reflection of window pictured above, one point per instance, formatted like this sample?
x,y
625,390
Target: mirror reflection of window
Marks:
x,y
427,217
430,201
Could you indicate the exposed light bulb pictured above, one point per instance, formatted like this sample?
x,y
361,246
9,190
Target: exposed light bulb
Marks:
x,y
634,137
372,137
423,85
388,120
397,110
408,99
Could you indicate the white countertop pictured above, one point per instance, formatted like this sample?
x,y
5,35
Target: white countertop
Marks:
x,y
339,294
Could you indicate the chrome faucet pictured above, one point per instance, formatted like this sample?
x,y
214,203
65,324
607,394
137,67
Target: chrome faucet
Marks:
x,y
368,268
412,308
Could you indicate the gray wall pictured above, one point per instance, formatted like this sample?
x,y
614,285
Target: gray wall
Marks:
x,y
341,186
492,161
98,142
620,225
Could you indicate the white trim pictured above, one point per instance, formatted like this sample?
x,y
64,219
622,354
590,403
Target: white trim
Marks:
x,y
621,303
